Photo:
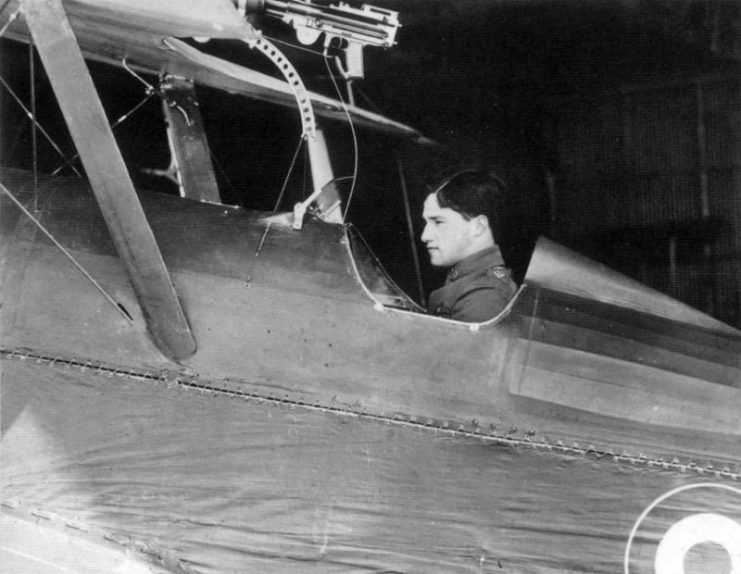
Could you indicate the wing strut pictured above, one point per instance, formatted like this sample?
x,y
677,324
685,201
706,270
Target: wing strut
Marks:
x,y
124,216
188,143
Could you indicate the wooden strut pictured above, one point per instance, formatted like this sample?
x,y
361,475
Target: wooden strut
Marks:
x,y
188,143
106,170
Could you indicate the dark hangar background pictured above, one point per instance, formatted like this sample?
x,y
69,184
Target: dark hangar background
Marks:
x,y
616,125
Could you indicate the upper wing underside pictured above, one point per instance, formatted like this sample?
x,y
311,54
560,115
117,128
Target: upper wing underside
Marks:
x,y
146,35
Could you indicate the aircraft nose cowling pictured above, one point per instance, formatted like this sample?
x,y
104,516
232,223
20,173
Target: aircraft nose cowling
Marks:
x,y
558,268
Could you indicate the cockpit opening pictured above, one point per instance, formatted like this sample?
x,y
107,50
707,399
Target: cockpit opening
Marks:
x,y
383,290
374,277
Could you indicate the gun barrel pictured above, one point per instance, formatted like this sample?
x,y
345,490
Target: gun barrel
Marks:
x,y
366,25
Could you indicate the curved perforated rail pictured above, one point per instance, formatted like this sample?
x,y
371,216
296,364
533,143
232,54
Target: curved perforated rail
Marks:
x,y
308,121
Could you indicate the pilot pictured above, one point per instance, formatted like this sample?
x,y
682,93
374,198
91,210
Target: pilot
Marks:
x,y
461,219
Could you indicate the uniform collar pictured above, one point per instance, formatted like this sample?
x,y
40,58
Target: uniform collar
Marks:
x,y
484,259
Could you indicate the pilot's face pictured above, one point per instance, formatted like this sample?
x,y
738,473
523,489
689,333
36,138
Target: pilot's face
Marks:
x,y
447,234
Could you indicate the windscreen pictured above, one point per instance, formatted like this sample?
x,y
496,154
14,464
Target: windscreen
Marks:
x,y
374,276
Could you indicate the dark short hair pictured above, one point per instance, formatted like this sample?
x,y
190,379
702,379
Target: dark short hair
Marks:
x,y
474,192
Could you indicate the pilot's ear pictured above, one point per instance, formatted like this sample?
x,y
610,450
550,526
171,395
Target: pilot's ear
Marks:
x,y
481,224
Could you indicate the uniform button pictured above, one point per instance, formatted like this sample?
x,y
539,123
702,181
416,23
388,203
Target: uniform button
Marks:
x,y
453,275
498,272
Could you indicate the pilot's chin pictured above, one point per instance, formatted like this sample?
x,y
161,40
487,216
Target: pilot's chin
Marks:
x,y
435,262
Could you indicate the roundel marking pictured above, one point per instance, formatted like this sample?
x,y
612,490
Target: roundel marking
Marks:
x,y
693,530
688,532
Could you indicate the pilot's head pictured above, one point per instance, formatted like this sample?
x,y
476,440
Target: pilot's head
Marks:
x,y
462,216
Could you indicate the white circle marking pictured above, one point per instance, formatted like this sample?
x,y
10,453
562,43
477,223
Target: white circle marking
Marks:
x,y
696,529
628,546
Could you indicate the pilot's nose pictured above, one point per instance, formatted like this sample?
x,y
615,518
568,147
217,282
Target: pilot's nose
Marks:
x,y
426,233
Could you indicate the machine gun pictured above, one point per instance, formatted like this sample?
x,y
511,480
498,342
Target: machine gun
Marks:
x,y
356,27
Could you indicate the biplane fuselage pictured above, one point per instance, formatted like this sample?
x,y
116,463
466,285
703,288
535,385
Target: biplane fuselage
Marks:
x,y
307,320
301,412
308,315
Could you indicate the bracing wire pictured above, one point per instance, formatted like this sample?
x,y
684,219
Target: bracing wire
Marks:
x,y
67,254
39,126
34,142
149,87
13,16
307,164
352,129
288,174
280,195
325,56
292,45
410,227
31,114
222,171
113,126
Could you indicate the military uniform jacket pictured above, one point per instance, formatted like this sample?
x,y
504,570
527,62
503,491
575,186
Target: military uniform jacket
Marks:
x,y
476,288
